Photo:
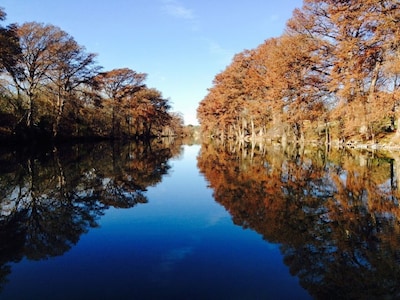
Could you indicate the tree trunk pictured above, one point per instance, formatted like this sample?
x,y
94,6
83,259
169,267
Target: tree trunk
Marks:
x,y
59,111
398,127
327,135
244,126
31,110
253,132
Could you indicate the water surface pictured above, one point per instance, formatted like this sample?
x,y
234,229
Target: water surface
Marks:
x,y
164,221
128,222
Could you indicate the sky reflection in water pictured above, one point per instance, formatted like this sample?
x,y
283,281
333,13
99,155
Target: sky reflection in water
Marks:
x,y
179,245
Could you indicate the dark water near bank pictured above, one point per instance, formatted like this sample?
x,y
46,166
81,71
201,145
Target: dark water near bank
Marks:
x,y
165,221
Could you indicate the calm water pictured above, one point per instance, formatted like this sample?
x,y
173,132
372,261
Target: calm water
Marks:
x,y
182,222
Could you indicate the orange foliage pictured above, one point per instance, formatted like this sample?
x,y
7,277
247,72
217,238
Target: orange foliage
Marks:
x,y
334,215
336,64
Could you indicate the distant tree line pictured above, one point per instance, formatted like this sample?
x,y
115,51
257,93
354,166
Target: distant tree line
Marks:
x,y
333,75
51,87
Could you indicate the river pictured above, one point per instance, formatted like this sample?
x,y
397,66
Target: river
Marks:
x,y
141,221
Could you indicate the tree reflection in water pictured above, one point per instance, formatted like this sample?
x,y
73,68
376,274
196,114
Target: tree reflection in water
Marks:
x,y
335,215
48,199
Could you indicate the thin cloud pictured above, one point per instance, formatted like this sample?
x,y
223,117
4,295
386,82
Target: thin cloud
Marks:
x,y
225,55
177,10
274,18
216,48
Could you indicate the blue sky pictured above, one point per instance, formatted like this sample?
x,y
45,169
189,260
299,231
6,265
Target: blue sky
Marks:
x,y
180,44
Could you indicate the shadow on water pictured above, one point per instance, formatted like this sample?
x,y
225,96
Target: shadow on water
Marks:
x,y
335,214
50,197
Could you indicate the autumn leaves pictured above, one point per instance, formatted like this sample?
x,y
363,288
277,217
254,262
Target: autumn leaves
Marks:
x,y
52,87
336,64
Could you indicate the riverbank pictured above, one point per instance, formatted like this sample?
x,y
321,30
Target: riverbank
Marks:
x,y
389,142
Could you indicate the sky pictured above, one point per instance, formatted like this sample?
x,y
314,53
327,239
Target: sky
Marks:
x,y
180,44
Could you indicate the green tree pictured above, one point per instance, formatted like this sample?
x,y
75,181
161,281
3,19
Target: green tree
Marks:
x,y
10,52
9,46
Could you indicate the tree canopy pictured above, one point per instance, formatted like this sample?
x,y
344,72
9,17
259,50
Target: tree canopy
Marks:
x,y
335,67
52,87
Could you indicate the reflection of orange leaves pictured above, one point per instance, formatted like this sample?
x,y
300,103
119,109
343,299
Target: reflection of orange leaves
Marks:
x,y
252,192
325,209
